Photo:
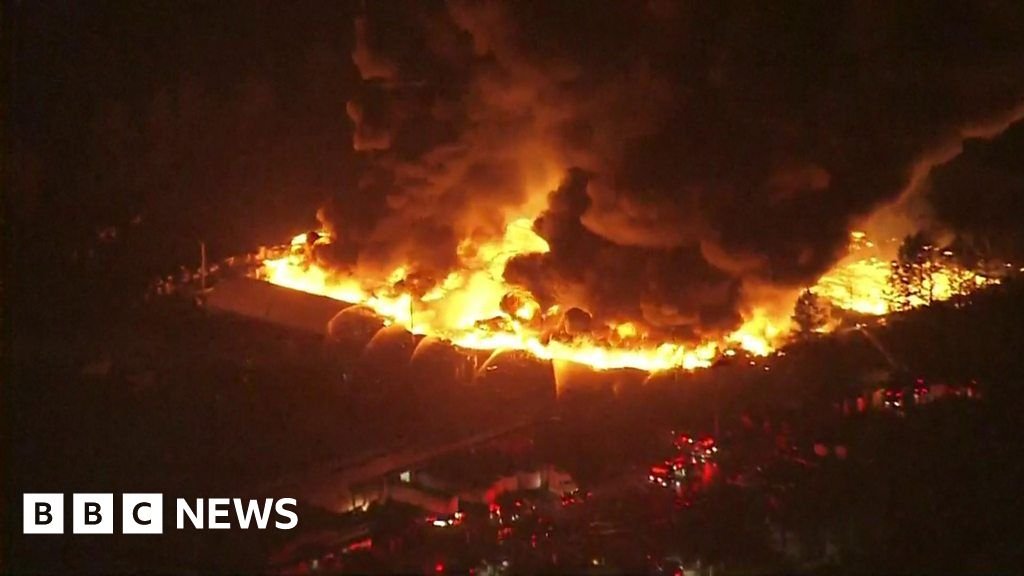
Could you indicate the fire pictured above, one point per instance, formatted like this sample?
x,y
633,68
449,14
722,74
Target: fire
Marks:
x,y
859,286
758,334
473,307
861,282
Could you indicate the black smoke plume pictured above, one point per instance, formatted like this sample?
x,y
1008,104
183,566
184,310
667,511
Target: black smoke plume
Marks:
x,y
678,154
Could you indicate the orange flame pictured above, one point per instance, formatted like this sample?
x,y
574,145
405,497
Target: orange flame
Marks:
x,y
469,308
859,282
465,308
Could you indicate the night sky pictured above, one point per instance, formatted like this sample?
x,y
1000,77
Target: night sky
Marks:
x,y
223,120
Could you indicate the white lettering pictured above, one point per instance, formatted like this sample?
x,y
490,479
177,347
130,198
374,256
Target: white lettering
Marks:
x,y
196,517
282,511
253,510
219,509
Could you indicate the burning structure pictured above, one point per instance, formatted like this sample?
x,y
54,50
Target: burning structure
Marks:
x,y
476,309
629,208
518,195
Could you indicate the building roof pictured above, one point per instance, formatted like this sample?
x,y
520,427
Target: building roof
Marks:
x,y
274,304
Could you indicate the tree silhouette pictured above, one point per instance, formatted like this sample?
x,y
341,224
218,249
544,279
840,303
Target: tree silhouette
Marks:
x,y
910,280
924,273
811,314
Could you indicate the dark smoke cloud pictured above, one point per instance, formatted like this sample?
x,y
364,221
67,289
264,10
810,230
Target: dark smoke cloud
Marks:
x,y
702,148
648,284
979,196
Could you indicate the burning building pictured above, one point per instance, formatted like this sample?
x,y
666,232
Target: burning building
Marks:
x,y
629,208
520,198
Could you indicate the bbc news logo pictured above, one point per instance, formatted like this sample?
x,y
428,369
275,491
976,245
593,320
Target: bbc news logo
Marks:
x,y
143,513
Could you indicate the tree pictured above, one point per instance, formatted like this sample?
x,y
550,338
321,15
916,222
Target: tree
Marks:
x,y
924,273
910,280
811,314
969,265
